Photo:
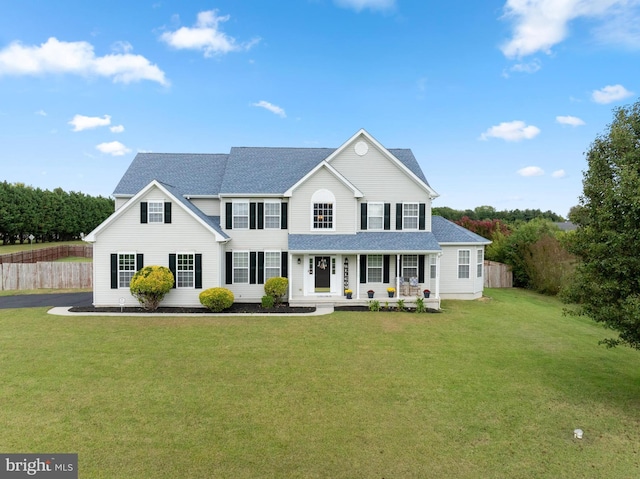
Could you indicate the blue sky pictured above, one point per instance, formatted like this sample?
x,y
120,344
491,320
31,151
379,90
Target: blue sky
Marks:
x,y
498,100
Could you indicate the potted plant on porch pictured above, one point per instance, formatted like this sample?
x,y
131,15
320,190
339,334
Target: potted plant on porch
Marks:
x,y
426,293
370,293
392,291
348,293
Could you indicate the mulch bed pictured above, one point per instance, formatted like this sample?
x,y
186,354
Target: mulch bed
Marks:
x,y
239,308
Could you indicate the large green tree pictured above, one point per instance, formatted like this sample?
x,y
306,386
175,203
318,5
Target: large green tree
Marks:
x,y
607,241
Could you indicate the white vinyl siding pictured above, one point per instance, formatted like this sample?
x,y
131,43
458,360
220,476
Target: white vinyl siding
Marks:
x,y
375,216
155,212
241,216
185,270
374,268
241,267
272,215
410,213
272,261
464,260
126,269
480,263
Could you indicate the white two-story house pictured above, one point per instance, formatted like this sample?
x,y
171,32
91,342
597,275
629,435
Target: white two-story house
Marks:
x,y
356,217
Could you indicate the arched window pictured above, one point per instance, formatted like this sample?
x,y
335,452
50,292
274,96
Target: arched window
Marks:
x,y
323,210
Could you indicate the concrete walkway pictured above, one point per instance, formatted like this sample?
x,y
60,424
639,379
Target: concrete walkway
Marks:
x,y
321,309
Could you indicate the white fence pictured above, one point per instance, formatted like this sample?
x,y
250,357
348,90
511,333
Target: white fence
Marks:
x,y
46,275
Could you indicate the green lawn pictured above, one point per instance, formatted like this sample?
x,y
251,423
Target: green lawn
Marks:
x,y
14,248
488,389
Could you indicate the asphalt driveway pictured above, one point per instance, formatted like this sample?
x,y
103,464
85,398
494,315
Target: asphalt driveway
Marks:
x,y
43,300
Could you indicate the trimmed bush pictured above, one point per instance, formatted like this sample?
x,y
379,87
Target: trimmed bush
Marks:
x,y
268,301
276,288
216,299
150,285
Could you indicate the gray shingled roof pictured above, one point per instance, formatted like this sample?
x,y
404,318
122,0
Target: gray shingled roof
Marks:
x,y
386,241
193,174
446,231
245,170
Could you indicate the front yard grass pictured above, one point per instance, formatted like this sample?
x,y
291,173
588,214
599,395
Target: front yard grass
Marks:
x,y
491,388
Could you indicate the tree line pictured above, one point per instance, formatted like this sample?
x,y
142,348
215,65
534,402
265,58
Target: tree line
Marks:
x,y
48,215
481,213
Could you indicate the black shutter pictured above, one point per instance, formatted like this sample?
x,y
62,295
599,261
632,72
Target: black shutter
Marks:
x,y
228,267
167,211
387,216
252,216
363,216
252,267
139,261
398,216
260,216
363,268
114,271
400,266
422,218
260,267
284,264
420,268
172,267
228,216
283,215
143,212
385,268
198,280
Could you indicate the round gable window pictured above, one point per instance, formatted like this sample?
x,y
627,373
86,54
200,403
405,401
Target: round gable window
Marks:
x,y
361,148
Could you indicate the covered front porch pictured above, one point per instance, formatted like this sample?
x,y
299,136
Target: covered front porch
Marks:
x,y
329,268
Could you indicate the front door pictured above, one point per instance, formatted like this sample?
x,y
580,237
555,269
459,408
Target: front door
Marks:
x,y
323,274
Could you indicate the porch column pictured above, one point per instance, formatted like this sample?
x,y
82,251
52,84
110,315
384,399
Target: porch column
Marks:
x,y
289,275
438,274
397,275
357,266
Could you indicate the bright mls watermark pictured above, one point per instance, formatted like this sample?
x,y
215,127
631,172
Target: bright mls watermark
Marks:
x,y
45,466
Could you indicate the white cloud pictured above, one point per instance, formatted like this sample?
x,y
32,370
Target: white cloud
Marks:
x,y
271,107
77,58
511,131
538,25
610,93
206,35
117,129
114,148
359,5
81,122
559,174
41,113
531,171
570,120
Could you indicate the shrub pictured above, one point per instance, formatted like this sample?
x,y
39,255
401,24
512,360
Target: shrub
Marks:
x,y
268,301
276,288
401,306
150,285
420,305
216,299
374,305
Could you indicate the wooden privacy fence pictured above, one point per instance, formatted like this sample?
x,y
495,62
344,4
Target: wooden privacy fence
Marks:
x,y
497,275
47,254
45,275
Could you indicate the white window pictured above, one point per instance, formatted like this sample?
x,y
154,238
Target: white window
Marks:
x,y
240,266
322,216
375,216
185,270
271,264
374,268
410,266
240,216
410,216
126,269
464,258
433,267
155,212
480,263
272,215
